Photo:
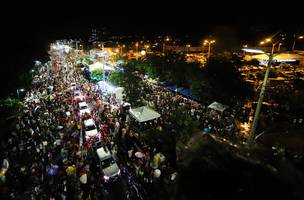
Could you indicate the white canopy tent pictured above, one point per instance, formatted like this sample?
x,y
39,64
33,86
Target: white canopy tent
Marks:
x,y
144,113
99,65
218,106
119,93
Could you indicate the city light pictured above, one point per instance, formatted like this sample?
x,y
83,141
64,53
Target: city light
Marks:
x,y
143,52
253,50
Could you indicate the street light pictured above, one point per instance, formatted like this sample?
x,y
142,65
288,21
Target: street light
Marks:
x,y
207,42
164,43
294,41
269,40
188,47
252,133
136,45
279,46
123,46
18,92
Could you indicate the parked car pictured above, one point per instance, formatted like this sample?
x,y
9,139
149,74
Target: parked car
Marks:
x,y
108,165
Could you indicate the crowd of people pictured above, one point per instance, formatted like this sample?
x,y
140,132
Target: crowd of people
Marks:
x,y
166,102
50,158
48,155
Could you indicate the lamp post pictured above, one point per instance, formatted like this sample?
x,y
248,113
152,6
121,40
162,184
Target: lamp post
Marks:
x,y
294,41
123,46
147,46
279,46
207,42
252,133
188,47
164,44
18,92
136,45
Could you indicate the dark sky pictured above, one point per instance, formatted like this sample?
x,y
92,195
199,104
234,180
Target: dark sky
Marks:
x,y
28,27
187,16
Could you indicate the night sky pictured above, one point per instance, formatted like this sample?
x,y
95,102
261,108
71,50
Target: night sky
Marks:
x,y
28,28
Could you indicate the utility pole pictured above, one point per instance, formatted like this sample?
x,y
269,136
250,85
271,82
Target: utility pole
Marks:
x,y
93,38
209,50
252,134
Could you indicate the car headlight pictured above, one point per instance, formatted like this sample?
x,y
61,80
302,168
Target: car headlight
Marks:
x,y
106,178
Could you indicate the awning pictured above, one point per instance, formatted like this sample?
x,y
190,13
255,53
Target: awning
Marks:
x,y
218,106
144,113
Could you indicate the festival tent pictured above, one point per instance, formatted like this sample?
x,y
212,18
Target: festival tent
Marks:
x,y
218,106
119,93
144,113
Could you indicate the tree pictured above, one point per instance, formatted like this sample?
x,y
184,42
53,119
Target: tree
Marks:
x,y
97,74
134,88
11,105
225,79
183,124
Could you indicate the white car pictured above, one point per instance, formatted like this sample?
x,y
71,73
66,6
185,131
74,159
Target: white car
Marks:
x,y
90,128
109,167
73,86
84,108
78,97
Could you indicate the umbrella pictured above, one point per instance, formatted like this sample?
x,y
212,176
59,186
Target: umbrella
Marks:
x,y
139,154
70,170
53,170
157,173
83,178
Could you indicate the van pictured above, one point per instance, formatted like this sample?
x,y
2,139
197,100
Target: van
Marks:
x,y
108,165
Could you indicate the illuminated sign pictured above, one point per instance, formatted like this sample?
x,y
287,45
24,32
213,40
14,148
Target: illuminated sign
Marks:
x,y
286,60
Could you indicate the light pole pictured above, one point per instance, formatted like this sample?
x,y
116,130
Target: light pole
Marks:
x,y
136,45
279,46
294,41
19,90
147,46
188,47
252,133
164,44
120,48
273,44
103,43
207,42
